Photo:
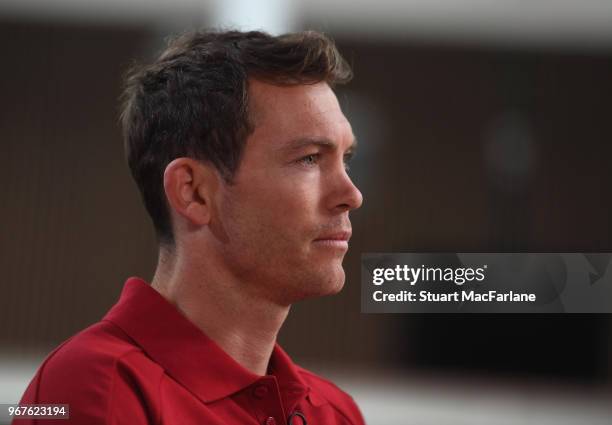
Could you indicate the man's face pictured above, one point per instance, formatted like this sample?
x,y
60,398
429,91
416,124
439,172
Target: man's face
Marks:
x,y
285,219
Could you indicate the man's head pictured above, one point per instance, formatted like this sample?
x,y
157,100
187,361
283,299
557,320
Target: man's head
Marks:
x,y
237,141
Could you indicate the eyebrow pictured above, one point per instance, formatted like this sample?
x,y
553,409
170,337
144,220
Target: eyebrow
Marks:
x,y
297,144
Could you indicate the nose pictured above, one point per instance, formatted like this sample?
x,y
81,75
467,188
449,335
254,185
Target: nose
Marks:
x,y
345,195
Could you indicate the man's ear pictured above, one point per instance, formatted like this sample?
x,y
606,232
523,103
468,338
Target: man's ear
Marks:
x,y
190,186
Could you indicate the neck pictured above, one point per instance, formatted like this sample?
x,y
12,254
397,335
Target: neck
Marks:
x,y
244,324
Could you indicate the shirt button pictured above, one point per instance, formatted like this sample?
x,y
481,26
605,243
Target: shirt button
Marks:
x,y
260,392
270,421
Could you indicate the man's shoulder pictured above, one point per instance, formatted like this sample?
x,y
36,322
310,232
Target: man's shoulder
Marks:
x,y
95,350
332,394
91,367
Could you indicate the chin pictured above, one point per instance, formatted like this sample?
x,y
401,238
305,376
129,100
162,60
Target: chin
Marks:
x,y
327,283
337,284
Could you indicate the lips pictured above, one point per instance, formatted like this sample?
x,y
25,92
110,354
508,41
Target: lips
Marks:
x,y
344,235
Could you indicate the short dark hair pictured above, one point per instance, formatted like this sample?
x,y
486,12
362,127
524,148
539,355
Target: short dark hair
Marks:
x,y
192,101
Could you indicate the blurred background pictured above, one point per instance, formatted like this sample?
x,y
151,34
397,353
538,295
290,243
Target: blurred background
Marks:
x,y
482,127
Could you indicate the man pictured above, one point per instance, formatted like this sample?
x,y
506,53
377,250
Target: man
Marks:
x,y
239,148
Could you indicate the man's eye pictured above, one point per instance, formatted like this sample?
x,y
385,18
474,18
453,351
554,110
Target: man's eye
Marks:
x,y
309,159
347,159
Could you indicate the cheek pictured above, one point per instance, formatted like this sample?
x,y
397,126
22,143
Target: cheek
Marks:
x,y
294,201
287,196
274,211
295,215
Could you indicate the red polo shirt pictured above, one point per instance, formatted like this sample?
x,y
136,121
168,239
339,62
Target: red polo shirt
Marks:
x,y
145,363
